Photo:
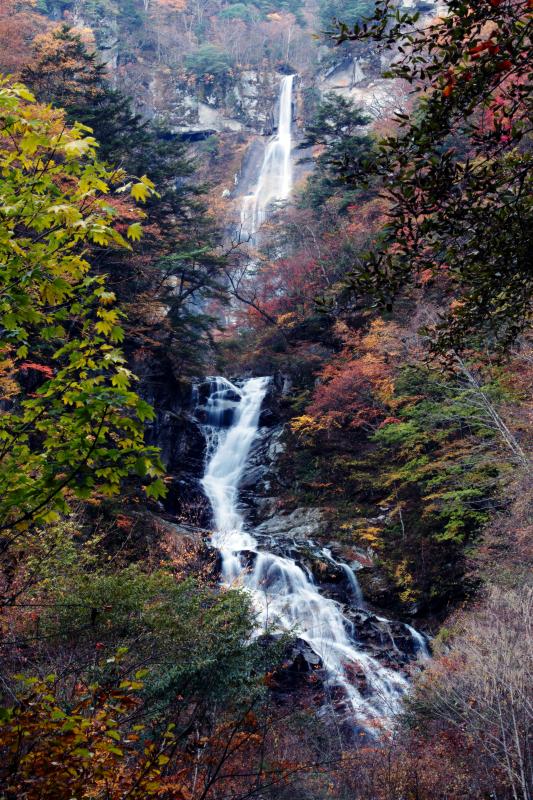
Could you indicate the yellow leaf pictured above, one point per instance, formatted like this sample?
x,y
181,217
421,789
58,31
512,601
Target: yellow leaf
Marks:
x,y
78,147
103,327
105,297
134,232
139,192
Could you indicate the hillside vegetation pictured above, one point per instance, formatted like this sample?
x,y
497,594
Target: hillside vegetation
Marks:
x,y
392,299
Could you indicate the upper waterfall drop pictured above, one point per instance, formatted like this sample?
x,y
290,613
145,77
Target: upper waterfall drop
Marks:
x,y
275,177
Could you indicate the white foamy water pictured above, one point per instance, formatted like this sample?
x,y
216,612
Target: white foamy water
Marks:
x,y
275,177
284,595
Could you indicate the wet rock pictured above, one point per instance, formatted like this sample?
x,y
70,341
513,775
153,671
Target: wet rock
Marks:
x,y
179,437
391,642
225,416
330,577
267,418
324,571
203,390
262,471
248,559
357,678
377,590
262,477
254,475
276,397
301,667
216,568
298,526
232,396
302,658
275,445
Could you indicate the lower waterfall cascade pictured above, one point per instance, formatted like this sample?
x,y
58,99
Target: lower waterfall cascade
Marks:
x,y
284,594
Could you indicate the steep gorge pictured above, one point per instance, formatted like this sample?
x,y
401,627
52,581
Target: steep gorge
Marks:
x,y
298,585
366,658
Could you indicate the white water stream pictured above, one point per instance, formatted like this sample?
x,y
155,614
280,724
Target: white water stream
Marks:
x,y
284,595
275,176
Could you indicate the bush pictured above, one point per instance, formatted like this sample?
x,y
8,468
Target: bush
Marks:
x,y
237,11
350,13
482,687
209,60
195,639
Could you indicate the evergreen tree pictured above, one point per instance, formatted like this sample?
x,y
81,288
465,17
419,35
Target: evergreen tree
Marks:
x,y
336,129
176,271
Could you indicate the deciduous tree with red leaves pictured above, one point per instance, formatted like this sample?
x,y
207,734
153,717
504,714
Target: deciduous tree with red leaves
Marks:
x,y
458,172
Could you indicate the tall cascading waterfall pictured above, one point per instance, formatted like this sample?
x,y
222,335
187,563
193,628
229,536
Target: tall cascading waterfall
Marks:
x,y
283,593
275,177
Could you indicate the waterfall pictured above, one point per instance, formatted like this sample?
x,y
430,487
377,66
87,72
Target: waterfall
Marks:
x,y
275,177
285,596
420,642
357,74
227,453
355,589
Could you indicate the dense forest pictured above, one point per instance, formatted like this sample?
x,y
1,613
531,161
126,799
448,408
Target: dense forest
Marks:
x,y
266,370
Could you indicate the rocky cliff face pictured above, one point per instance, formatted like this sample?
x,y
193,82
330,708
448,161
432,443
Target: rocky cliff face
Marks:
x,y
178,435
197,111
177,432
148,48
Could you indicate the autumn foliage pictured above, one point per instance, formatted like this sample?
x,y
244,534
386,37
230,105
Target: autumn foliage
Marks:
x,y
19,24
355,387
389,301
84,751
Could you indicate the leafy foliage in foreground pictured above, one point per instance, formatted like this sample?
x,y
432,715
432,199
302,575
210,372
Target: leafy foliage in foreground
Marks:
x,y
480,687
96,745
196,641
71,424
84,750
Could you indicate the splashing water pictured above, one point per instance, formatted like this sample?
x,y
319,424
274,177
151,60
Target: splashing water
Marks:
x,y
275,177
352,581
284,595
